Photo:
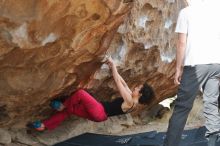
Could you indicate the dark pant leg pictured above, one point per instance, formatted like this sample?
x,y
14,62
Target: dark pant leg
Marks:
x,y
187,92
192,79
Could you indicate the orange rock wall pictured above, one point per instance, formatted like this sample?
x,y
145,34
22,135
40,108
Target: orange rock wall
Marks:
x,y
52,47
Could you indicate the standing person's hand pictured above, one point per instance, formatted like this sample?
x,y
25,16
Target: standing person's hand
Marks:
x,y
178,75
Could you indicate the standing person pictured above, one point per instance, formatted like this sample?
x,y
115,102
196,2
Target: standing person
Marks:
x,y
84,105
197,66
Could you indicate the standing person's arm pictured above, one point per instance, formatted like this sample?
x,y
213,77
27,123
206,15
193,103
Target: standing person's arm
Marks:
x,y
120,83
182,30
180,54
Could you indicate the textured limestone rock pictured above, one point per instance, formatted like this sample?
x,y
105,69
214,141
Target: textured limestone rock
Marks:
x,y
21,136
5,137
51,47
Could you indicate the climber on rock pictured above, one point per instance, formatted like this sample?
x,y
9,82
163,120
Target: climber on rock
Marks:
x,y
82,104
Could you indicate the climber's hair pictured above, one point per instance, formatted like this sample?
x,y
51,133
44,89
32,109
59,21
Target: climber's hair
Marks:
x,y
147,94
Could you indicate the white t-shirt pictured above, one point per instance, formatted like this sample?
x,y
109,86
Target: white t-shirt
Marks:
x,y
201,23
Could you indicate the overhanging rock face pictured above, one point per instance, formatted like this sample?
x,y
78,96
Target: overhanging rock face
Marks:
x,y
52,47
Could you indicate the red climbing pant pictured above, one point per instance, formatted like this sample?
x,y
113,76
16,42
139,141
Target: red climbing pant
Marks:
x,y
81,104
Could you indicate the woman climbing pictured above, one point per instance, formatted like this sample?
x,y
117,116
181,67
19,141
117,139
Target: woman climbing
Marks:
x,y
82,104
